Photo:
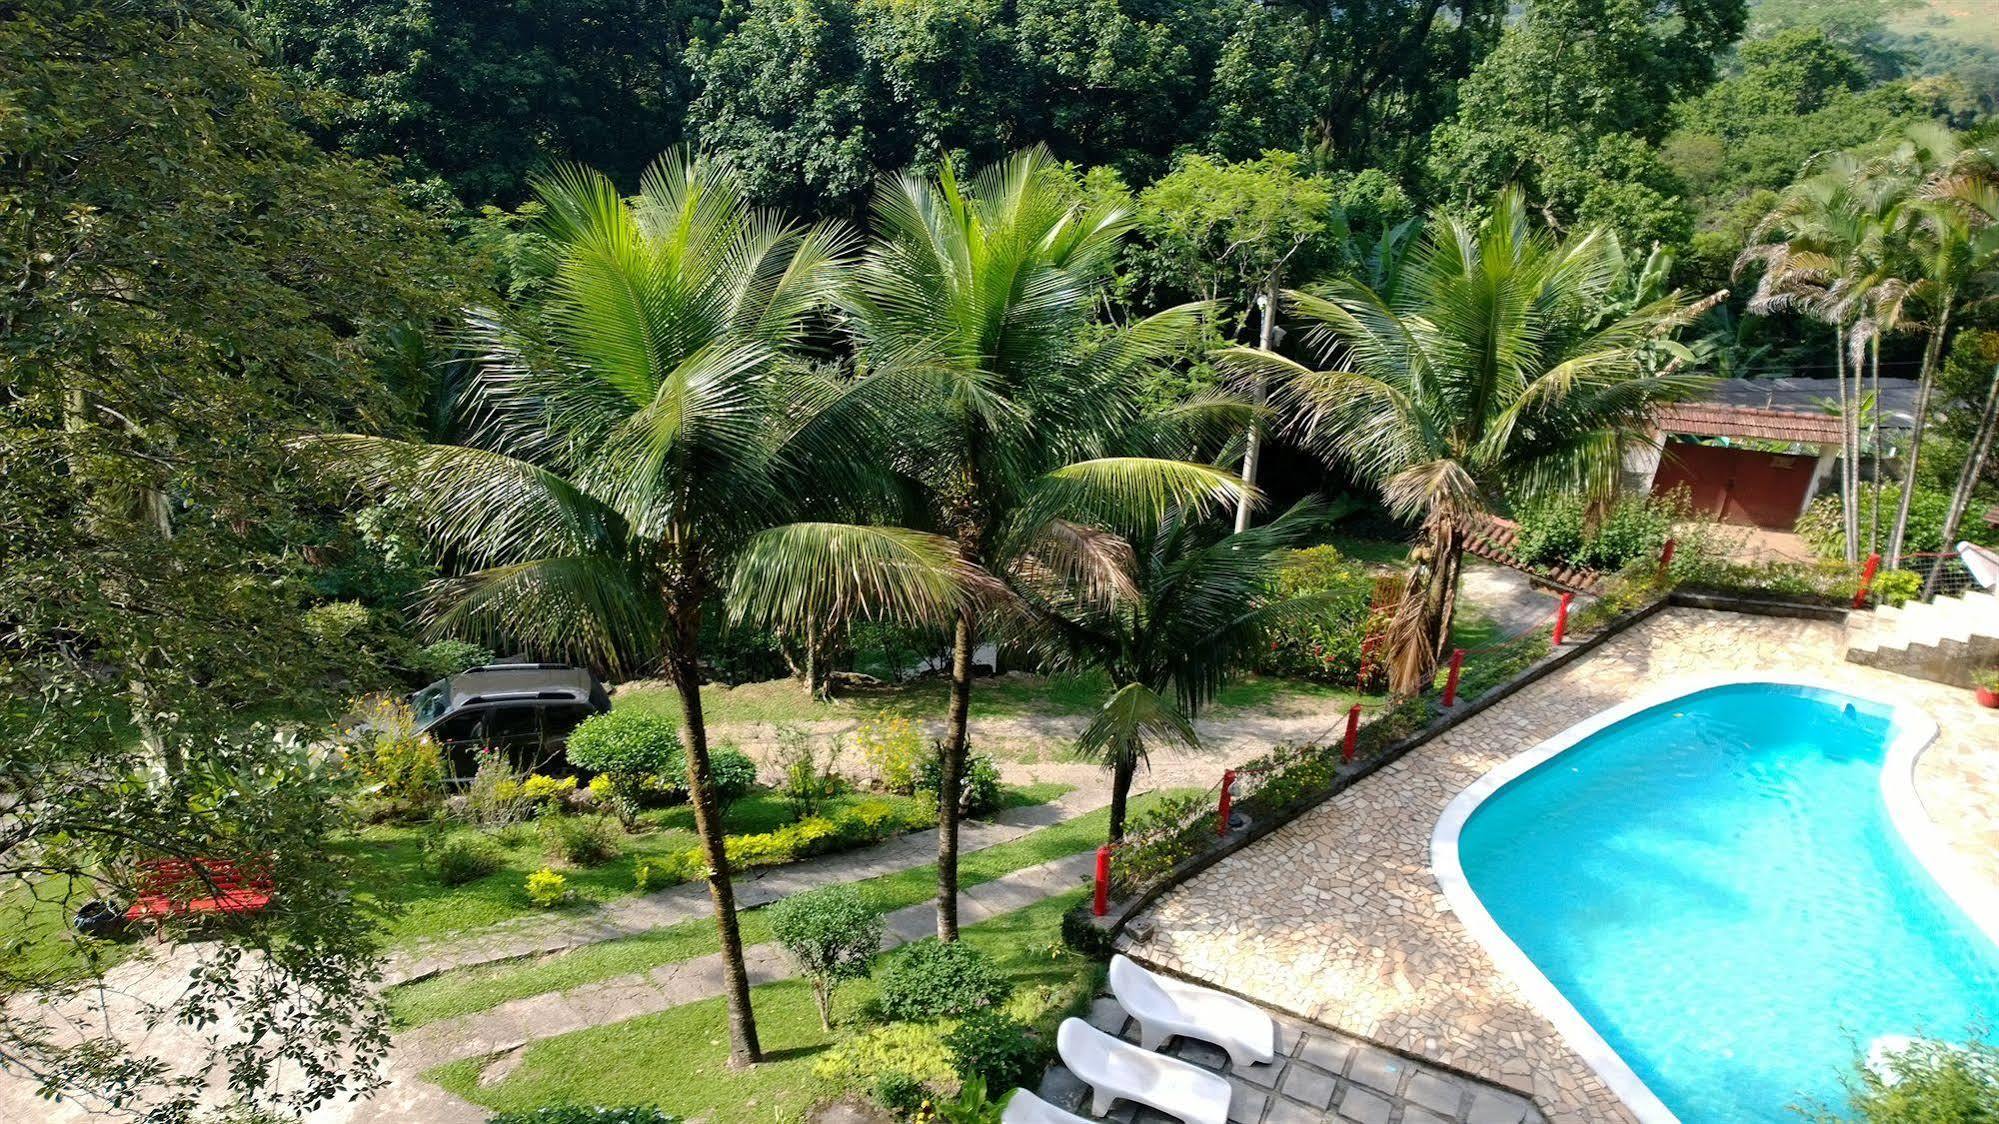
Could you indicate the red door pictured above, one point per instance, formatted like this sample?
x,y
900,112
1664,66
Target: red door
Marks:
x,y
1738,485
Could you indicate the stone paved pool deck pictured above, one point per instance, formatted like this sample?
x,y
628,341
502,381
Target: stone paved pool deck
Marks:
x,y
1337,917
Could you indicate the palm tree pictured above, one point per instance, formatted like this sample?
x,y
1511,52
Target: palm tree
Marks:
x,y
1199,614
1009,412
1821,249
1949,229
1500,370
624,441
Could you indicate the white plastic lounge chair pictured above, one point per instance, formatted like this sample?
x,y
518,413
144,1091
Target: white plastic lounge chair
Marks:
x,y
1114,1068
1026,1108
1983,564
1165,1007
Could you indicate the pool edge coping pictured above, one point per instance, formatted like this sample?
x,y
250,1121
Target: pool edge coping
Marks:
x,y
1915,731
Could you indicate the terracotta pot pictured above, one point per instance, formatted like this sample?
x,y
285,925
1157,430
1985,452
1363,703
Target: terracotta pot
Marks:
x,y
1988,697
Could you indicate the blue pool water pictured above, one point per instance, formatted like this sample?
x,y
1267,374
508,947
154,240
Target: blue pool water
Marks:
x,y
1716,886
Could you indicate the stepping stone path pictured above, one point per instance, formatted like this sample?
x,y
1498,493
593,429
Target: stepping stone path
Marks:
x,y
504,1031
1320,1075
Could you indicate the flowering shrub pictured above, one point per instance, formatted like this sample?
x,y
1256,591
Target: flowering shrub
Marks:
x,y
547,889
394,760
627,746
494,797
1324,647
893,746
863,824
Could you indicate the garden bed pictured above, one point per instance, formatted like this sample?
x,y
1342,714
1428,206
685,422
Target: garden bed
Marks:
x,y
678,1059
392,872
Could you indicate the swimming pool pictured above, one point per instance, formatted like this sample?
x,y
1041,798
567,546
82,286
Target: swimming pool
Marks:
x,y
1714,897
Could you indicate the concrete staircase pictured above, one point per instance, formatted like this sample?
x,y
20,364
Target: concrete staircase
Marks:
x,y
1944,640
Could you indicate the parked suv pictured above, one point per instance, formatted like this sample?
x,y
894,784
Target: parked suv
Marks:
x,y
525,710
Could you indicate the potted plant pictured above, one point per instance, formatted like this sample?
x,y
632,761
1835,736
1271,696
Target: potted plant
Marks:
x,y
1987,679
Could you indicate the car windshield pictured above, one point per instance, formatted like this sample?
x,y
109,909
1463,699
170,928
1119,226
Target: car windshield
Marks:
x,y
430,702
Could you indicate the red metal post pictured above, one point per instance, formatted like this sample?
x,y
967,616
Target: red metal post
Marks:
x,y
1562,618
1451,684
1666,554
1225,803
1102,904
1866,580
1353,733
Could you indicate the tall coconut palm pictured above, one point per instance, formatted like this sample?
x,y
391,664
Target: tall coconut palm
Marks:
x,y
1008,409
1948,228
1493,374
625,440
1202,605
1821,252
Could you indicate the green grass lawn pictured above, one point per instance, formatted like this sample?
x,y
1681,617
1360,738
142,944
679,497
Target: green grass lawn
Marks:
x,y
477,989
390,875
678,1059
1377,552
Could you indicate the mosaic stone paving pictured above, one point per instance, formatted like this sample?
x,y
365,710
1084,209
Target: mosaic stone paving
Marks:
x,y
1337,915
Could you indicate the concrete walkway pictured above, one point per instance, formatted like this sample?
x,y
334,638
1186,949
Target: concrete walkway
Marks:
x,y
545,934
503,1032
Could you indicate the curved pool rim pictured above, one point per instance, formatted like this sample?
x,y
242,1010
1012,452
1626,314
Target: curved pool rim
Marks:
x,y
1915,730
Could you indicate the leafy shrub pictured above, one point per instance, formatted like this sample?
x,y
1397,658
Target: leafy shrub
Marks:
x,y
1169,831
1552,531
1324,646
863,824
1000,1051
912,1049
1897,586
1938,1083
898,1093
448,657
831,934
585,1114
466,856
547,889
893,746
337,623
1823,525
1558,531
494,798
628,746
979,790
804,780
933,980
732,774
579,840
395,761
1634,527
547,793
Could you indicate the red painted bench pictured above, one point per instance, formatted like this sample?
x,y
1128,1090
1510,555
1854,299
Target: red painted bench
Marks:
x,y
172,887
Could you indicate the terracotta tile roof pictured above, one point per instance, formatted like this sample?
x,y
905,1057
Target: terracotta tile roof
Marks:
x,y
1497,540
1714,419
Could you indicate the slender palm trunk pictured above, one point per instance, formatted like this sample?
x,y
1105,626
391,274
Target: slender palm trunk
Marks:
x,y
1874,437
950,777
1925,383
1974,467
1849,498
1123,770
682,665
1259,393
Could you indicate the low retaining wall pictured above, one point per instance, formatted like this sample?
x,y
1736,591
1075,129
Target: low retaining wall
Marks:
x,y
1120,913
